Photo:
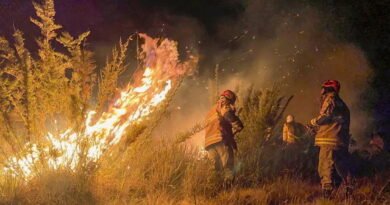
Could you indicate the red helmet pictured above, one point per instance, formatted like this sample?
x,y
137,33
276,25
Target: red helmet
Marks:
x,y
230,95
332,84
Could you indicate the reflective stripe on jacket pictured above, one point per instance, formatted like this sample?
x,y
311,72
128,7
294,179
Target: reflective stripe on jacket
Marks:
x,y
333,122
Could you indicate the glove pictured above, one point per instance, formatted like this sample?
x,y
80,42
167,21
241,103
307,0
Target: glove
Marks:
x,y
313,123
311,129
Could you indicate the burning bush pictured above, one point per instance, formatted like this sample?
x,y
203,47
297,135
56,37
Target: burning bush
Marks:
x,y
104,153
39,91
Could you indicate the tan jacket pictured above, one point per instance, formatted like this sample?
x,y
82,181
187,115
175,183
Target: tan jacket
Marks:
x,y
333,122
222,122
292,132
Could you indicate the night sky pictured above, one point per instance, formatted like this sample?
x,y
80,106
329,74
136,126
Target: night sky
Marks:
x,y
198,23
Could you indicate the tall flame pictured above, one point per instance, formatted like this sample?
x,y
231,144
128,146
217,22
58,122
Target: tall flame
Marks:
x,y
135,103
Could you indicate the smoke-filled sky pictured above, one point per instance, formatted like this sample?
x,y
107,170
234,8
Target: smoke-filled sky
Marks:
x,y
296,43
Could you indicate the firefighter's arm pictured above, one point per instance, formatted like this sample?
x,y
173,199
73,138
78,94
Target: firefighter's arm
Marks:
x,y
326,112
230,115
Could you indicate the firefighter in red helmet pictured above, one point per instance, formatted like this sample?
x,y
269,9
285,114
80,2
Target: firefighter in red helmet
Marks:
x,y
222,125
332,137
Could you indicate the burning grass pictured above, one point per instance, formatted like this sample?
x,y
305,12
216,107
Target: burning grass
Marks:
x,y
107,156
79,147
147,171
166,173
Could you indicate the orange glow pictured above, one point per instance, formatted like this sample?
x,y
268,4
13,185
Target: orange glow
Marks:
x,y
135,102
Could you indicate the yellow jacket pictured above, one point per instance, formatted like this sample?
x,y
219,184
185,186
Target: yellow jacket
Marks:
x,y
333,122
292,132
221,121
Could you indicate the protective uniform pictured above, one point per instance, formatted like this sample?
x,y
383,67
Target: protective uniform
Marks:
x,y
332,137
222,124
292,132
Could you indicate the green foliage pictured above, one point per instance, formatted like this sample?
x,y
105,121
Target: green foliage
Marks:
x,y
54,85
82,71
139,170
16,77
45,13
110,74
48,89
260,113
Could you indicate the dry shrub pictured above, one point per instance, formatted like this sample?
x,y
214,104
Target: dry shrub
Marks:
x,y
56,187
158,198
279,191
43,85
153,167
260,153
200,180
289,190
373,190
10,190
140,170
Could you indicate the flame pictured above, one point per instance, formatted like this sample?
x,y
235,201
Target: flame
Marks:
x,y
133,105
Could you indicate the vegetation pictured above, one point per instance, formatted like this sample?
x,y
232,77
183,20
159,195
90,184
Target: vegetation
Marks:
x,y
35,89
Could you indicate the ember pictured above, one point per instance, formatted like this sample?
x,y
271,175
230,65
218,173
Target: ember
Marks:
x,y
135,103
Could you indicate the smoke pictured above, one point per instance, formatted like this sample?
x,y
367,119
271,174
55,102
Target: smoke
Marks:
x,y
290,43
302,55
268,45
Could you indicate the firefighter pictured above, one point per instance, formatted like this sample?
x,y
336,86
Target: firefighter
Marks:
x,y
332,138
222,125
292,130
293,138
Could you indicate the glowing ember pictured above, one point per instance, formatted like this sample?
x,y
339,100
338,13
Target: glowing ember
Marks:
x,y
135,103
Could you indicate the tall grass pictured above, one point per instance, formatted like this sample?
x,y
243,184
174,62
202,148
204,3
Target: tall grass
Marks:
x,y
145,171
140,170
166,172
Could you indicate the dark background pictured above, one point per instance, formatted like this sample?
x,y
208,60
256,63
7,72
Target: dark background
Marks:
x,y
197,23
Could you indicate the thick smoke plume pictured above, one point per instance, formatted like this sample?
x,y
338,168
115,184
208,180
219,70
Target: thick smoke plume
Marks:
x,y
281,42
269,46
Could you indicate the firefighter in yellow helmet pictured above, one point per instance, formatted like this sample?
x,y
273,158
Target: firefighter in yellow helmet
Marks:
x,y
332,138
222,125
292,130
294,136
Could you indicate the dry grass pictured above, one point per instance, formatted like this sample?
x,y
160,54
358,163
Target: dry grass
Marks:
x,y
149,168
140,170
166,172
